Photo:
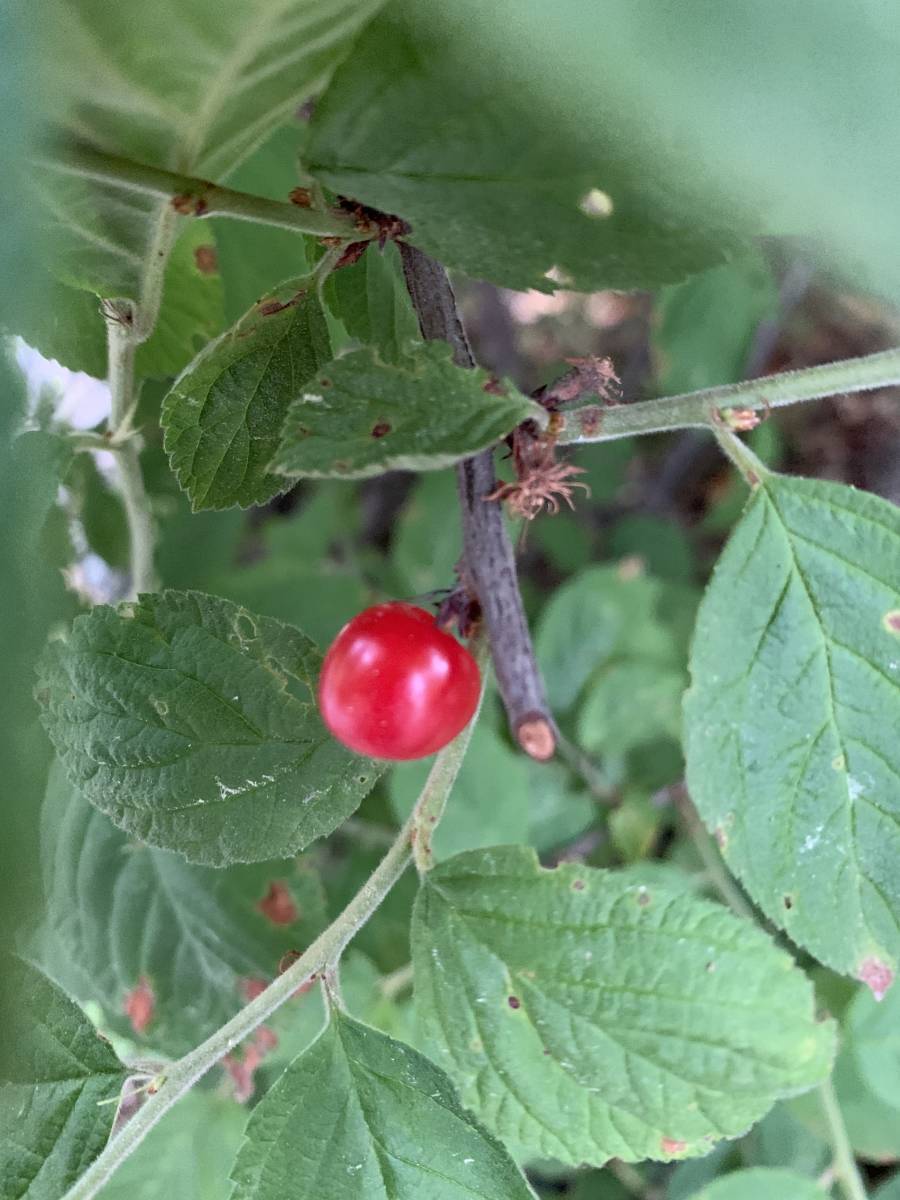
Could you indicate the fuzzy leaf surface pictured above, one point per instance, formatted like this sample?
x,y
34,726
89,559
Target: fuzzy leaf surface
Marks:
x,y
55,1076
223,416
422,122
657,1022
792,718
359,1115
193,724
120,919
361,416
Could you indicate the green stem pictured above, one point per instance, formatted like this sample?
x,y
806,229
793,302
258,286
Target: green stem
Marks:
x,y
596,423
429,809
751,467
845,1167
199,197
712,861
155,262
321,955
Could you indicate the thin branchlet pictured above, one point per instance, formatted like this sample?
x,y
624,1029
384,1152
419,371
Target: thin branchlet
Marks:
x,y
488,568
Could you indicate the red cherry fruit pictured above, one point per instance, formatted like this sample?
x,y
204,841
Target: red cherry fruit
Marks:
x,y
395,686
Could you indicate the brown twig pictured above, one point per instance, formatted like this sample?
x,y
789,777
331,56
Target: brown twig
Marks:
x,y
490,566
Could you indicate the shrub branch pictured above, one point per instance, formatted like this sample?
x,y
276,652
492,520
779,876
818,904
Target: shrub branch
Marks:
x,y
489,561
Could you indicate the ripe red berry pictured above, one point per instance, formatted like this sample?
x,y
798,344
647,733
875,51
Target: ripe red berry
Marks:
x,y
395,686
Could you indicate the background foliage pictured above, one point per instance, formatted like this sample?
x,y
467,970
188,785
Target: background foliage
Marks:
x,y
731,172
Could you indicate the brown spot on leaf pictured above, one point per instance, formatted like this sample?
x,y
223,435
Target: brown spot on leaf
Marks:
x,y
514,1002
278,904
139,1005
190,204
270,307
250,988
300,196
892,621
578,885
206,260
643,897
788,902
243,1067
352,254
493,387
379,430
672,1146
877,976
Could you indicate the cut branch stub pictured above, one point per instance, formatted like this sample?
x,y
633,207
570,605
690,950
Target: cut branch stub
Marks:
x,y
489,569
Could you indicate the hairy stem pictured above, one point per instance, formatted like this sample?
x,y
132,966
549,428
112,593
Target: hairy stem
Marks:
x,y
199,197
490,567
845,1168
752,468
321,955
699,409
716,870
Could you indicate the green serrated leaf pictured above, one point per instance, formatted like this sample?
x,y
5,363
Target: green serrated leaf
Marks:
x,y
223,416
791,718
362,416
655,1022
220,87
372,301
124,920
58,1086
225,82
423,123
186,1156
773,1182
65,322
359,1114
193,724
33,599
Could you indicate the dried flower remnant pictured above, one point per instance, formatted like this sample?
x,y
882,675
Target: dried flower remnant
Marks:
x,y
541,481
